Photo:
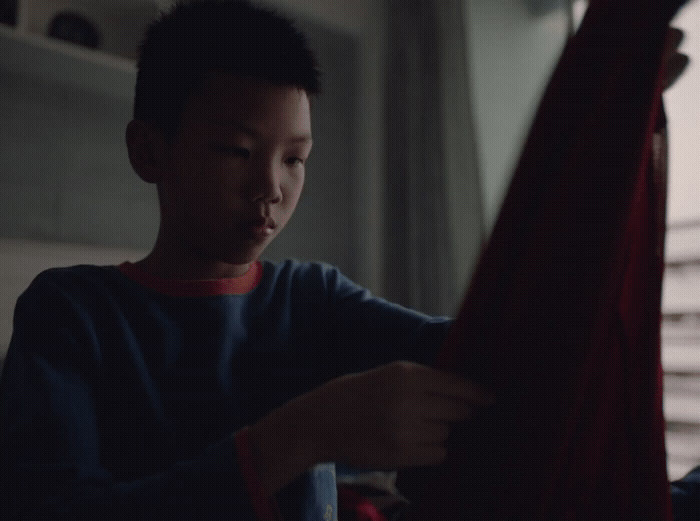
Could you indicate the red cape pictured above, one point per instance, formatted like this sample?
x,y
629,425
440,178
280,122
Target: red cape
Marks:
x,y
562,316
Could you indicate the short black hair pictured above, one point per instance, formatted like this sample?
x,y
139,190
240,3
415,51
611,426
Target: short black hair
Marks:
x,y
198,37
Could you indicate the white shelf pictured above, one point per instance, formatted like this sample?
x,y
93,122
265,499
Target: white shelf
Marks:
x,y
110,70
94,56
120,23
57,62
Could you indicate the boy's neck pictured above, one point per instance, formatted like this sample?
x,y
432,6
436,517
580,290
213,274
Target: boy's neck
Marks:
x,y
188,267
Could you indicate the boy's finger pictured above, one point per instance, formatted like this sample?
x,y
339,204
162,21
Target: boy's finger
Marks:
x,y
432,432
428,455
675,67
452,385
675,37
444,409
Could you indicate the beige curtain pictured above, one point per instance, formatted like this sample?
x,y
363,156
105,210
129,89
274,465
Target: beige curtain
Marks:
x,y
434,225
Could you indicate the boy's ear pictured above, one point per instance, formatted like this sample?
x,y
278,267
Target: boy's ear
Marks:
x,y
147,150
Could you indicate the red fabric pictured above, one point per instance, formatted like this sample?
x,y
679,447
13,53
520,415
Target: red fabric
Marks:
x,y
356,507
264,504
562,316
195,288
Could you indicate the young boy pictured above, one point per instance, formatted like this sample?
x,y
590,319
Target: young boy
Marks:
x,y
201,381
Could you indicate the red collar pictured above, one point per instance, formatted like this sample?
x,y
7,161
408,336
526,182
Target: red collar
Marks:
x,y
195,288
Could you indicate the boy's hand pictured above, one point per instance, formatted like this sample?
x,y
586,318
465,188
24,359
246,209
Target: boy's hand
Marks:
x,y
393,416
676,62
397,415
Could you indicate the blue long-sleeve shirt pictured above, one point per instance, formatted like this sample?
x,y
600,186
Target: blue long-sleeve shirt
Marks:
x,y
685,495
121,392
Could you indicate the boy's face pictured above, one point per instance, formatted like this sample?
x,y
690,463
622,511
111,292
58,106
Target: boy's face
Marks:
x,y
235,171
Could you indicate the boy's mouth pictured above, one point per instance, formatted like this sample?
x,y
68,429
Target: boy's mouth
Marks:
x,y
263,221
261,227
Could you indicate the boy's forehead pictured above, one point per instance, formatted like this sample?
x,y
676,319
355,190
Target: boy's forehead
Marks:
x,y
225,96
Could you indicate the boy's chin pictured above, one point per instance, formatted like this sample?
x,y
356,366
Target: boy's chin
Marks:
x,y
238,258
234,254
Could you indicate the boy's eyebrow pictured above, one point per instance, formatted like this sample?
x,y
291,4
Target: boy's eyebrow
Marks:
x,y
237,125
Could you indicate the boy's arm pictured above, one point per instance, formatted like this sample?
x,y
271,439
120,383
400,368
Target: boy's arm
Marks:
x,y
384,409
396,415
392,416
370,331
53,446
50,464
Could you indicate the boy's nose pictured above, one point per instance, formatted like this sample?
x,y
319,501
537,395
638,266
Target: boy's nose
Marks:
x,y
266,185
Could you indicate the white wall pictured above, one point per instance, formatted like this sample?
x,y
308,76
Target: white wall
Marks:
x,y
512,53
684,124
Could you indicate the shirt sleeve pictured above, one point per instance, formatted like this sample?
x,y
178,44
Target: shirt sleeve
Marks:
x,y
685,496
51,450
371,331
264,503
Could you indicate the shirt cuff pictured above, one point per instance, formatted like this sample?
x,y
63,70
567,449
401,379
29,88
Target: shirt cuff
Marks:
x,y
264,504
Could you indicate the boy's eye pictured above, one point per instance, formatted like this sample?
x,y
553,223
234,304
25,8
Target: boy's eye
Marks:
x,y
293,161
231,150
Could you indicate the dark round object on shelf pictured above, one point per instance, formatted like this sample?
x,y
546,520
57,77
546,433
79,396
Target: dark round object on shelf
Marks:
x,y
8,12
74,27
